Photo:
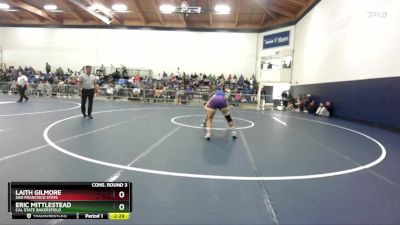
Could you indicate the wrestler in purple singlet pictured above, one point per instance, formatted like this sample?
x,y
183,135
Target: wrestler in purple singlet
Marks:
x,y
218,101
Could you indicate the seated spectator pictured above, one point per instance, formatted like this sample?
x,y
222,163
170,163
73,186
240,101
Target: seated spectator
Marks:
x,y
116,75
234,79
187,94
306,101
238,97
13,87
178,96
312,107
101,70
134,93
241,79
131,82
229,79
189,90
124,71
289,107
325,109
117,89
59,71
121,81
206,81
300,104
44,88
158,92
137,78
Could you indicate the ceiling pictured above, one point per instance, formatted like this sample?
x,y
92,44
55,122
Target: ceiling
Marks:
x,y
244,15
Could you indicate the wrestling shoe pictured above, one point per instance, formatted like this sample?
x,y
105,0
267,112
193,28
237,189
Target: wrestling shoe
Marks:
x,y
208,135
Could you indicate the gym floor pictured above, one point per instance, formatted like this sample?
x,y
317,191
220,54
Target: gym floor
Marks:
x,y
284,168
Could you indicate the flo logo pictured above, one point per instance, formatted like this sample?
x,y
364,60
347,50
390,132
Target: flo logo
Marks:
x,y
377,14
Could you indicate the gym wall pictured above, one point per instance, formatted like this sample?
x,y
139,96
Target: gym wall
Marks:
x,y
201,52
349,52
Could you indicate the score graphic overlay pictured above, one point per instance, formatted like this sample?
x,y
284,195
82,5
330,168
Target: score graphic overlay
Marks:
x,y
70,200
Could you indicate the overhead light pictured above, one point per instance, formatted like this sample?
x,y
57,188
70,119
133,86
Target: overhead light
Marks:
x,y
167,8
119,7
4,6
50,7
222,9
11,10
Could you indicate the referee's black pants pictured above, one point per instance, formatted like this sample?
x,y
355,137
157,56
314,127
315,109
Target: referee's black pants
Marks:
x,y
87,93
21,90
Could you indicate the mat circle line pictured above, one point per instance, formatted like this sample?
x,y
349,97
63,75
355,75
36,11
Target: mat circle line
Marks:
x,y
173,120
78,105
216,177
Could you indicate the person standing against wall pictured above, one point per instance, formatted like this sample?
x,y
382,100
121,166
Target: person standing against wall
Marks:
x,y
88,84
48,68
22,83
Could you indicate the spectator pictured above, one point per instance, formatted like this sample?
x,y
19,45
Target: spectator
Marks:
x,y
47,88
289,107
229,79
121,81
254,85
48,68
312,107
206,80
189,91
124,71
300,104
234,79
137,78
102,70
59,72
285,98
165,75
63,82
44,89
307,100
109,89
134,93
241,79
247,82
325,110
69,72
238,97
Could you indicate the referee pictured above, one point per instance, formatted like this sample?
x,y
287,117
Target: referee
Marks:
x,y
22,83
88,84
